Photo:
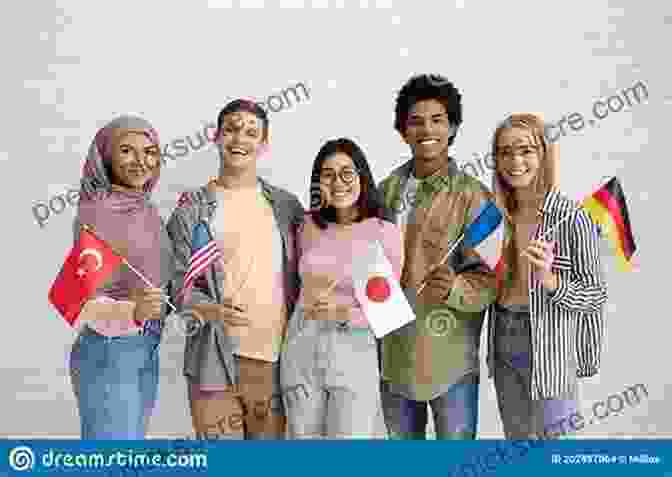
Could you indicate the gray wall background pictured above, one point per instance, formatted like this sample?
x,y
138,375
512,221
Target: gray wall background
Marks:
x,y
72,66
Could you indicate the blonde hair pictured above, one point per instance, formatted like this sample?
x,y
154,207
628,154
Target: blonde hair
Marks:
x,y
544,182
547,176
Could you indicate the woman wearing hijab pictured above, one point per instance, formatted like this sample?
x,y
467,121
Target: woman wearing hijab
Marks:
x,y
544,329
114,363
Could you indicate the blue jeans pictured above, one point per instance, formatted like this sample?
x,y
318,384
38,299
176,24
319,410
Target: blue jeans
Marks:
x,y
522,417
335,367
115,381
455,412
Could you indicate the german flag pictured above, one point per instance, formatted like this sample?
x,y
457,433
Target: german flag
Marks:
x,y
607,208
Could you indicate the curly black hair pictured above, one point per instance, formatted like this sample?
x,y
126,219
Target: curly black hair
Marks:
x,y
370,201
422,87
247,106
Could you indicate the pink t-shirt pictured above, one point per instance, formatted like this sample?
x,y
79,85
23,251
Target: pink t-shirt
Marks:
x,y
332,251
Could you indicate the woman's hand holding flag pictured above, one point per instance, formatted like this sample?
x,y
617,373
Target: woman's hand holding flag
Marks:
x,y
539,254
318,305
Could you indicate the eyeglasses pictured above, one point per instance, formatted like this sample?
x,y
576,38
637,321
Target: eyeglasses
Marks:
x,y
347,175
510,152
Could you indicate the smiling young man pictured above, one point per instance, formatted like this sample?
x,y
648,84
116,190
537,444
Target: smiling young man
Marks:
x,y
434,360
249,292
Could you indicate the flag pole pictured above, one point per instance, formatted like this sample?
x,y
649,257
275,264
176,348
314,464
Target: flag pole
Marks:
x,y
424,282
324,295
569,215
90,229
555,226
149,284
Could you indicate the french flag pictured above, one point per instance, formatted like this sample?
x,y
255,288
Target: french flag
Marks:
x,y
485,236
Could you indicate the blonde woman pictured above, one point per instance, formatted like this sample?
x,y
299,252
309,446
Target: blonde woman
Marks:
x,y
552,291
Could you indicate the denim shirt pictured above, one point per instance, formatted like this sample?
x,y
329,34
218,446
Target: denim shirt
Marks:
x,y
209,352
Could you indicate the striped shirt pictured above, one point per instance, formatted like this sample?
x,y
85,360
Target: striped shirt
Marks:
x,y
569,320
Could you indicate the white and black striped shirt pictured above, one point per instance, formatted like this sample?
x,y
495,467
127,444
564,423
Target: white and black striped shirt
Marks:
x,y
569,320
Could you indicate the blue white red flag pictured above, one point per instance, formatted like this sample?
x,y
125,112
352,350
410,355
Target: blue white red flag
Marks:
x,y
485,235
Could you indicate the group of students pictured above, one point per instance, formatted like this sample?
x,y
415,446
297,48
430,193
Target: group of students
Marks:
x,y
278,302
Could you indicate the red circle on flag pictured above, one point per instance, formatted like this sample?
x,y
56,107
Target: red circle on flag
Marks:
x,y
378,289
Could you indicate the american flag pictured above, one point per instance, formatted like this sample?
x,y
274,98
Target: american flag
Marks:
x,y
204,251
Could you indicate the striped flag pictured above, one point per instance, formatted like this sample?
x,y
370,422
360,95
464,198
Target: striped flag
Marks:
x,y
607,207
485,236
204,252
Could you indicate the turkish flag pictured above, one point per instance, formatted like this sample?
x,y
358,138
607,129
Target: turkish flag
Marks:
x,y
87,266
378,292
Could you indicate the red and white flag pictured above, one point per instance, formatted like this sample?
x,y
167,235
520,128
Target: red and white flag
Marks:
x,y
379,292
90,262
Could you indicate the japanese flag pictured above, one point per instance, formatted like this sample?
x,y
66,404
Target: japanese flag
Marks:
x,y
379,293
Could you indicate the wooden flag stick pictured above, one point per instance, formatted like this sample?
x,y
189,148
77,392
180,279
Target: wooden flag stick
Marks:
x,y
555,226
324,295
149,284
568,216
452,248
330,288
89,228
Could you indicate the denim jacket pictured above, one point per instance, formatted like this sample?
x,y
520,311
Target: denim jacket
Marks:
x,y
208,357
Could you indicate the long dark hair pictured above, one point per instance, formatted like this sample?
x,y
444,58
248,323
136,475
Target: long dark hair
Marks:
x,y
369,202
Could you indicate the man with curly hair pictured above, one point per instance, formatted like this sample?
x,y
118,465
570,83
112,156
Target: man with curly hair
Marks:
x,y
434,360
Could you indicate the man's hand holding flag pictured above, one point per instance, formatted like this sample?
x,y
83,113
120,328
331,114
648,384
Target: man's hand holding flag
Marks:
x,y
485,235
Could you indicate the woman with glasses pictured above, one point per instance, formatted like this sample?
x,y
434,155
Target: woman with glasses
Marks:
x,y
330,353
552,293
